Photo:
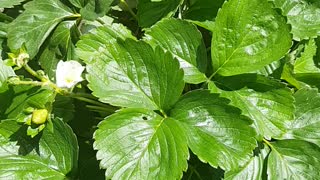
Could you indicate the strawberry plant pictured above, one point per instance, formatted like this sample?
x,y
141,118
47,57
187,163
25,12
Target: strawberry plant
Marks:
x,y
159,89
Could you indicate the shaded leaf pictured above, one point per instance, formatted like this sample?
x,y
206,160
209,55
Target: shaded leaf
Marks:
x,y
150,146
53,155
10,4
185,42
216,131
203,10
18,98
34,25
248,35
95,8
149,11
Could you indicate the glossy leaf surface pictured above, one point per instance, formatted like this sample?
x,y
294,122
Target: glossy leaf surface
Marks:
x,y
150,146
248,35
216,131
184,41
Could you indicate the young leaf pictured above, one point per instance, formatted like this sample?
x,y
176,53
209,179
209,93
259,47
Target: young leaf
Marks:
x,y
307,116
185,42
140,144
248,35
150,11
293,159
216,131
132,74
267,102
34,25
50,155
302,15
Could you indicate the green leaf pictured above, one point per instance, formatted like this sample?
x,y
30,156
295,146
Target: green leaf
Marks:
x,y
56,49
26,167
92,44
10,4
248,35
203,10
35,24
17,99
253,170
216,131
294,159
267,102
77,3
63,108
5,73
52,155
150,11
132,74
95,8
302,15
307,116
185,42
305,63
140,144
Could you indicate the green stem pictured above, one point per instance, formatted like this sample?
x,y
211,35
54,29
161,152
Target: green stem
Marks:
x,y
129,9
33,83
33,73
163,113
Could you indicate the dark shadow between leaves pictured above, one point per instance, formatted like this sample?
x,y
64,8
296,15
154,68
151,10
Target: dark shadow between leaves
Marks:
x,y
26,143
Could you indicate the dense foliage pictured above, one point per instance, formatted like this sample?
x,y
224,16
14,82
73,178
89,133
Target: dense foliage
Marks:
x,y
170,89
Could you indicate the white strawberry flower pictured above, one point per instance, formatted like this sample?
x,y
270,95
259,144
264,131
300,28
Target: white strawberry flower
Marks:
x,y
68,73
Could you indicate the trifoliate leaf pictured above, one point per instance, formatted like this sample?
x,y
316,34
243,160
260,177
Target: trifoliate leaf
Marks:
x,y
267,102
140,144
216,131
185,42
149,12
35,24
132,74
248,35
293,159
307,116
302,15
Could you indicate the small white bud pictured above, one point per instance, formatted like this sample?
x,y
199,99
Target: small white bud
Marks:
x,y
68,73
